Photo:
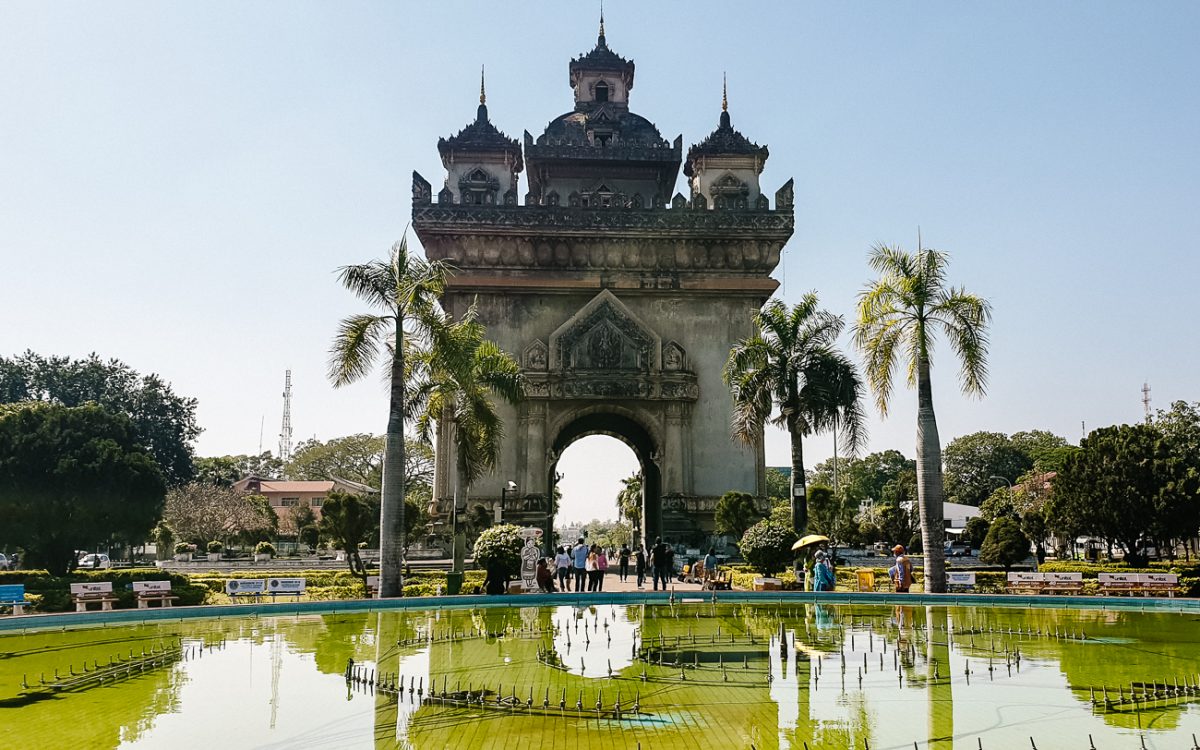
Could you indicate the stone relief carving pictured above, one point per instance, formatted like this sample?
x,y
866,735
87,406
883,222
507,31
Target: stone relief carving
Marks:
x,y
604,335
421,190
673,356
536,356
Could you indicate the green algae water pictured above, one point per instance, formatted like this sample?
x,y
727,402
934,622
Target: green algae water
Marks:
x,y
684,675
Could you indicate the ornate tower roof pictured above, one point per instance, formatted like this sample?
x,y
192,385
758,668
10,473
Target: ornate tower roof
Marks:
x,y
601,59
480,137
724,141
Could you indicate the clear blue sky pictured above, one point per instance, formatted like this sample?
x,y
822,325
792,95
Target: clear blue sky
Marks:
x,y
178,181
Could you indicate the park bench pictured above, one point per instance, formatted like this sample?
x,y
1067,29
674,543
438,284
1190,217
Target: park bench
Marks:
x,y
372,587
86,594
1159,583
285,587
717,580
246,588
960,581
1119,583
1025,583
13,595
1063,583
149,592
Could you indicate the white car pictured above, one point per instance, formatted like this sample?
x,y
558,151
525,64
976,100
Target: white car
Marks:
x,y
5,563
95,561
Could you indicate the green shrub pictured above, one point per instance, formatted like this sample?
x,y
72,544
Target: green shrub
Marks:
x,y
502,542
215,547
767,546
1005,544
264,548
183,548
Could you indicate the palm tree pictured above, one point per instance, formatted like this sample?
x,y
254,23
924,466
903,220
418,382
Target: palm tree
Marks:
x,y
629,501
454,378
897,317
405,289
792,362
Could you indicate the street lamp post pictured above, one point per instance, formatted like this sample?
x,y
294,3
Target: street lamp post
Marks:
x,y
509,488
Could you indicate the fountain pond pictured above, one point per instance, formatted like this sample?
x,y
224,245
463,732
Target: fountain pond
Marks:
x,y
745,674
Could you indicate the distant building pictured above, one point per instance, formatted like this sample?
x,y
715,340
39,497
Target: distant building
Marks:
x,y
286,495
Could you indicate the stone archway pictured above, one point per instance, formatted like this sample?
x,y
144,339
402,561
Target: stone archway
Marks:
x,y
632,433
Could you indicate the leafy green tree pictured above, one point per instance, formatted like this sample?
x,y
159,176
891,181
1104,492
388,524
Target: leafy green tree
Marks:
x,y
792,365
832,514
736,512
862,479
164,423
1126,485
778,484
976,531
502,542
898,315
767,547
1005,544
348,520
306,524
455,378
404,289
225,470
973,462
1044,449
71,477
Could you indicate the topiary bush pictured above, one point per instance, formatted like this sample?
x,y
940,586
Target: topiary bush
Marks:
x,y
767,547
502,542
215,547
1005,544
264,548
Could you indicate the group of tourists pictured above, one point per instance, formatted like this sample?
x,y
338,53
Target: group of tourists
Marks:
x,y
584,567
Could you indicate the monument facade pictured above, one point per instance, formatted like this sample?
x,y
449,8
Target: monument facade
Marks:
x,y
620,297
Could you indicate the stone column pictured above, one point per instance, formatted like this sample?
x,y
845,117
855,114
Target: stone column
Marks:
x,y
532,452
672,452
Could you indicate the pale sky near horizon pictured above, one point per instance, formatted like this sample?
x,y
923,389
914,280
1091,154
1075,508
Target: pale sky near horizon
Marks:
x,y
179,181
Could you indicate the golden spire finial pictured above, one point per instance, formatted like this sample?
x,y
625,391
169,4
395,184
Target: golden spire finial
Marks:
x,y
482,91
724,93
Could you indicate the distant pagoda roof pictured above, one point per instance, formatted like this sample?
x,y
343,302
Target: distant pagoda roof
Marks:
x,y
724,141
481,136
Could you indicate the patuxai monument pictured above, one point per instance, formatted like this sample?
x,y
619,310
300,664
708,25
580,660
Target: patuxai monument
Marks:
x,y
620,297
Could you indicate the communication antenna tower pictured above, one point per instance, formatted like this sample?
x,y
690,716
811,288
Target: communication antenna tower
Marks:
x,y
285,432
1146,401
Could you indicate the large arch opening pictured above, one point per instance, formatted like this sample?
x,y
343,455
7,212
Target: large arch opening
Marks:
x,y
645,451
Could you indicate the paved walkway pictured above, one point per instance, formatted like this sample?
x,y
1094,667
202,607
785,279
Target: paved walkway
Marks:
x,y
613,582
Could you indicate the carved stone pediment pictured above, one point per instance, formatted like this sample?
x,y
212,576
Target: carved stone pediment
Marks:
x,y
535,357
605,336
674,358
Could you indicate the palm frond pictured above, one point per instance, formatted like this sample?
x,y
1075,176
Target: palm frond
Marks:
x,y
964,318
356,347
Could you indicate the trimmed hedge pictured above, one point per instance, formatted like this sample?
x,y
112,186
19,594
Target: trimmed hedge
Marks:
x,y
53,593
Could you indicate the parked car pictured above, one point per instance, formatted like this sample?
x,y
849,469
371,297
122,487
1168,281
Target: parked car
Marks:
x,y
957,549
94,561
5,563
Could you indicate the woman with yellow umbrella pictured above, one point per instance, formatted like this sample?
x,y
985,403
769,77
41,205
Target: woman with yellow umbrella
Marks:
x,y
806,561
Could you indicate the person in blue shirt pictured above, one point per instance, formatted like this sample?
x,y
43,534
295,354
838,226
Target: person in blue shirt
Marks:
x,y
823,577
580,556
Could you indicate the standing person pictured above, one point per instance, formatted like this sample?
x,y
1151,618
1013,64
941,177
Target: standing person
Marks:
x,y
580,554
545,579
590,566
823,576
639,559
710,564
669,570
658,557
562,562
623,561
902,572
601,568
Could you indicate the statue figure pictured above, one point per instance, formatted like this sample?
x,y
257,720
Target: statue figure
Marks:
x,y
529,558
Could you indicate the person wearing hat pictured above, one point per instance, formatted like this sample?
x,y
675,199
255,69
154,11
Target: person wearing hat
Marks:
x,y
902,571
823,577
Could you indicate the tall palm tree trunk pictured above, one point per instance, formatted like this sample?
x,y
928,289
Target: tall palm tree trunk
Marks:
x,y
799,487
391,506
929,482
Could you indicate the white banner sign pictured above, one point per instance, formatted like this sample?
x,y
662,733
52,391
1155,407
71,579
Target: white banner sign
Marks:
x,y
144,587
285,585
245,586
960,579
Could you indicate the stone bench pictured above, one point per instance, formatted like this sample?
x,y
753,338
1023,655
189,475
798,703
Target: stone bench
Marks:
x,y
86,594
148,592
